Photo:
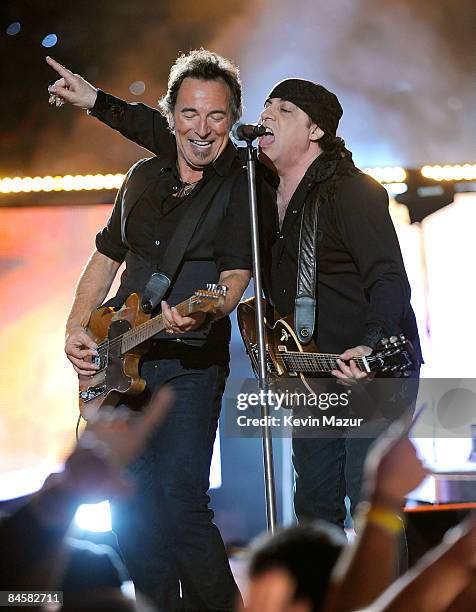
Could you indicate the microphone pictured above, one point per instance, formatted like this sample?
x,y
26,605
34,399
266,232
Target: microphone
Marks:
x,y
248,131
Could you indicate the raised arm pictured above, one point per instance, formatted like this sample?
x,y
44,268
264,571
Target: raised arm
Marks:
x,y
137,122
440,581
392,470
31,539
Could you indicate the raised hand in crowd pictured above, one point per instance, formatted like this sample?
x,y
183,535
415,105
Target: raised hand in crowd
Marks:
x,y
392,470
442,580
31,539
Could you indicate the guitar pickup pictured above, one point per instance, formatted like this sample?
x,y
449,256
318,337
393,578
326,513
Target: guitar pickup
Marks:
x,y
100,361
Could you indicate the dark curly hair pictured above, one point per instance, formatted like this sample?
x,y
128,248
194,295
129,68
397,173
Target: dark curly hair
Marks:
x,y
206,66
334,146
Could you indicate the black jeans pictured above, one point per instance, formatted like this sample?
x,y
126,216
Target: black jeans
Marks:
x,y
328,468
173,551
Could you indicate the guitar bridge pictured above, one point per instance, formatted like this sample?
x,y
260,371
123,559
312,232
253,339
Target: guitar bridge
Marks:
x,y
89,394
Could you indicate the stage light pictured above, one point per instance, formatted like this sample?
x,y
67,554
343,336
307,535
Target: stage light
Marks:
x,y
391,177
49,41
137,88
26,481
389,174
94,517
13,28
465,172
395,189
68,182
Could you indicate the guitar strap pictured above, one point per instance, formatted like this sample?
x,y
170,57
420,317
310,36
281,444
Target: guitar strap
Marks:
x,y
305,307
306,297
161,279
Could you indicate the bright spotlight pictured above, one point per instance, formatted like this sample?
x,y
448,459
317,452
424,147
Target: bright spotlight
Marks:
x,y
94,517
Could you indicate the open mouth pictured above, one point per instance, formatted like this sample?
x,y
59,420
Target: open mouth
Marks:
x,y
267,139
201,144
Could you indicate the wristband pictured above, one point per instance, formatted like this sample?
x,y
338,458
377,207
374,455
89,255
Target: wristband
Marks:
x,y
389,520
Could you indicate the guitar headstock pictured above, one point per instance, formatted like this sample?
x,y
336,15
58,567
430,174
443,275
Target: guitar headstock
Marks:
x,y
394,354
221,289
209,299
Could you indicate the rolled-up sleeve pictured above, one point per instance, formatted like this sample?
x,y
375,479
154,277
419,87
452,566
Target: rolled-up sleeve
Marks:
x,y
109,239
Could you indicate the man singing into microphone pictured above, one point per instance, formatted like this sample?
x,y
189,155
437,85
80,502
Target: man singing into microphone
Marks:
x,y
360,293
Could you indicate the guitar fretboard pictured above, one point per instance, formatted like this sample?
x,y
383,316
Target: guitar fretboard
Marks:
x,y
145,331
316,362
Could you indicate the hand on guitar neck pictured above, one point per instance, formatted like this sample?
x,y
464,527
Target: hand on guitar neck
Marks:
x,y
176,324
349,373
287,357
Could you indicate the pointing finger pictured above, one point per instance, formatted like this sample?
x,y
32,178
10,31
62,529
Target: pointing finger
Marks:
x,y
61,70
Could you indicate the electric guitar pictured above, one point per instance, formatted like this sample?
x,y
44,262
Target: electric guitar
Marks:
x,y
120,336
287,357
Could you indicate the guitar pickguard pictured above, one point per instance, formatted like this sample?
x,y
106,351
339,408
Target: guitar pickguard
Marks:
x,y
121,336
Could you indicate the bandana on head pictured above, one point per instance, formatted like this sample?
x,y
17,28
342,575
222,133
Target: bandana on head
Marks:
x,y
319,103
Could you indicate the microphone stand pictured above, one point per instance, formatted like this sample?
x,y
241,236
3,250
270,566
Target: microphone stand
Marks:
x,y
270,490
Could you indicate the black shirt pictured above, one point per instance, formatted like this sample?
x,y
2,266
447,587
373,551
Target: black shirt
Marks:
x,y
221,240
362,288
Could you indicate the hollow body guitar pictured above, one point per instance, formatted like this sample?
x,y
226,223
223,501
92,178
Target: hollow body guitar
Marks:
x,y
287,357
121,337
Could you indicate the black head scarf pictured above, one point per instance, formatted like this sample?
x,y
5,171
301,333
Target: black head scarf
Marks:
x,y
319,103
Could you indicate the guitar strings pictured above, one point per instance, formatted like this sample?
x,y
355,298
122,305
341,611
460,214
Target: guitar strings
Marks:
x,y
322,362
105,346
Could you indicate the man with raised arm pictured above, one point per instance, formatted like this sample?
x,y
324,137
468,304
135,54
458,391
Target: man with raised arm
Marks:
x,y
172,549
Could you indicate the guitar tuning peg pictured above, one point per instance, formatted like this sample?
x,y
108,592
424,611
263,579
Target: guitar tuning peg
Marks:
x,y
402,337
384,342
393,339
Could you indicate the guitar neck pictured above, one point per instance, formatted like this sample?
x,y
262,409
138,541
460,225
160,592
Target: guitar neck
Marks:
x,y
145,331
318,362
